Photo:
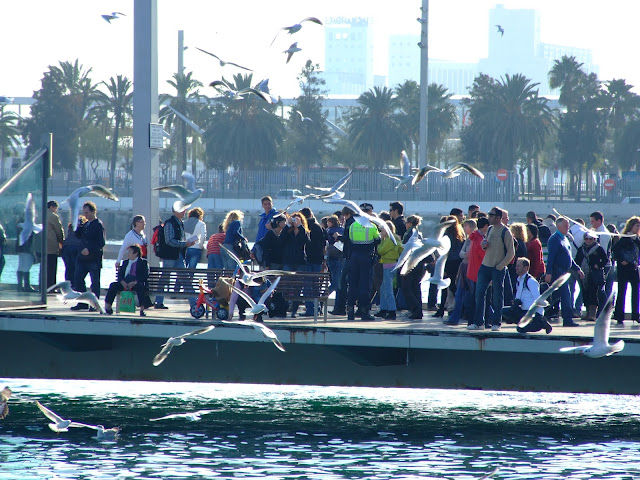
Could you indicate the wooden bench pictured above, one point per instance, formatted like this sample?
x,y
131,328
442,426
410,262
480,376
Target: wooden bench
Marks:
x,y
299,287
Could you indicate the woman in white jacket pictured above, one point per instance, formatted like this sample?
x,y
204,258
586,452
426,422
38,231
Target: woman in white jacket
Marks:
x,y
134,236
195,227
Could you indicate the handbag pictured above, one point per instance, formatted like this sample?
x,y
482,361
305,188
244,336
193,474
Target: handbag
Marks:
x,y
241,249
127,302
596,276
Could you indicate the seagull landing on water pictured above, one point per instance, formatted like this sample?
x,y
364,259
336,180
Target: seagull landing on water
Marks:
x,y
5,394
248,277
296,27
192,416
29,225
222,62
74,202
112,16
600,346
187,196
59,424
176,342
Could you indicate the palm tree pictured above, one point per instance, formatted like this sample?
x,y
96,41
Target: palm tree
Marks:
x,y
373,127
111,110
244,132
408,98
442,117
627,147
9,135
623,103
567,75
185,102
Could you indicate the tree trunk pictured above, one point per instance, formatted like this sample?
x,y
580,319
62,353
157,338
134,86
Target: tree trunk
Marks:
x,y
536,173
184,146
114,154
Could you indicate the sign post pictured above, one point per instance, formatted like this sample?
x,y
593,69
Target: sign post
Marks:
x,y
609,184
502,174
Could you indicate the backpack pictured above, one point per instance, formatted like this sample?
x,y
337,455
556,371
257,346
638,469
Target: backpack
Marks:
x,y
157,240
258,252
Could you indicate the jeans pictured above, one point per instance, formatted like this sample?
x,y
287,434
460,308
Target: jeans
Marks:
x,y
214,260
387,300
315,268
69,256
343,287
335,270
228,262
564,293
463,298
164,279
494,276
627,274
93,269
193,257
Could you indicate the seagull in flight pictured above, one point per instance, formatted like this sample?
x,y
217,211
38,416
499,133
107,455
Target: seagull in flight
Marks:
x,y
600,346
248,277
176,342
240,94
256,307
29,225
192,416
223,63
75,203
297,200
66,292
262,328
363,218
263,87
416,249
303,118
293,48
438,271
333,191
59,424
296,27
5,394
423,172
405,177
458,167
541,301
113,16
186,196
578,230
500,30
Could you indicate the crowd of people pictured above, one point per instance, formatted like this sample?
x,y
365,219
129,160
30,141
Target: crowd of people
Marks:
x,y
496,268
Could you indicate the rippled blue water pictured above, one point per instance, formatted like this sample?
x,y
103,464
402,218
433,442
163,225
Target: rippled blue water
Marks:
x,y
278,432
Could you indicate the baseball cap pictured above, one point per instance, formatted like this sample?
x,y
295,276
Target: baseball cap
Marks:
x,y
366,206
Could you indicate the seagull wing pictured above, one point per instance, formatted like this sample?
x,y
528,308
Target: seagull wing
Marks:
x,y
50,414
542,300
469,168
420,174
191,181
235,259
442,227
319,189
163,354
380,223
267,332
176,190
405,165
416,255
239,66
209,53
90,298
265,273
312,19
397,178
269,291
199,331
341,183
344,202
5,394
603,324
240,292
221,83
101,191
490,474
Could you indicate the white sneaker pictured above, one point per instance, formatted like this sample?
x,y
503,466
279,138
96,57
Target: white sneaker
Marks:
x,y
473,326
495,328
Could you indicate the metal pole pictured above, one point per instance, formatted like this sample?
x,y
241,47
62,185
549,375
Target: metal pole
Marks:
x,y
145,111
180,51
424,83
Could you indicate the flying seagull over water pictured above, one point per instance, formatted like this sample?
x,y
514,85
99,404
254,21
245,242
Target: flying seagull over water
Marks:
x,y
248,277
600,346
59,424
240,94
335,189
29,225
5,394
293,48
176,342
405,177
541,301
193,416
363,218
113,16
187,196
75,203
102,433
222,62
500,30
296,27
262,328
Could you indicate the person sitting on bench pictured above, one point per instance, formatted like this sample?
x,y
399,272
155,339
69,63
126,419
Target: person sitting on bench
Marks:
x,y
133,275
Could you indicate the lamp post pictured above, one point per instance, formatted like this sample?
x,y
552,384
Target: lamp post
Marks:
x,y
424,82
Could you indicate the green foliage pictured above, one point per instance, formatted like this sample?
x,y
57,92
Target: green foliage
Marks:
x,y
9,133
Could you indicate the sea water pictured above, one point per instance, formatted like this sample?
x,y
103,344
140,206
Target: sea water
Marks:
x,y
288,432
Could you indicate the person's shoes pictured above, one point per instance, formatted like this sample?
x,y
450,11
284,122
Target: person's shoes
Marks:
x,y
547,328
306,314
142,314
621,322
570,324
160,306
432,308
338,312
92,309
80,306
495,328
450,323
351,315
474,326
577,313
381,314
391,315
241,316
416,316
293,315
366,317
438,314
108,310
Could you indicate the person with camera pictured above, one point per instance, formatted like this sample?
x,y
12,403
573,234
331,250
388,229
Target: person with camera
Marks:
x,y
526,292
592,259
295,241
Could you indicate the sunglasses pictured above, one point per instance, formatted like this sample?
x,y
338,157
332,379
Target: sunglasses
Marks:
x,y
493,214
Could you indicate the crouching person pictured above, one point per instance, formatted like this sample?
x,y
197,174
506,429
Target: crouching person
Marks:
x,y
527,291
133,275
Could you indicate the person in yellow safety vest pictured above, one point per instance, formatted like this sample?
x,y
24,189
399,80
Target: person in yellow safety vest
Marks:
x,y
363,241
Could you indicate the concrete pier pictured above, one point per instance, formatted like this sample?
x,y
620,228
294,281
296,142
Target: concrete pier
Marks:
x,y
58,343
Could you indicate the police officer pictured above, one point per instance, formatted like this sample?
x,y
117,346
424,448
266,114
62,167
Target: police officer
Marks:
x,y
364,237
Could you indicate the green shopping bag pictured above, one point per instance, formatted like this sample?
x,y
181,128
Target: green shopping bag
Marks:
x,y
127,302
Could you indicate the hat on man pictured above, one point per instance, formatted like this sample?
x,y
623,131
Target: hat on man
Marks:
x,y
590,234
366,207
